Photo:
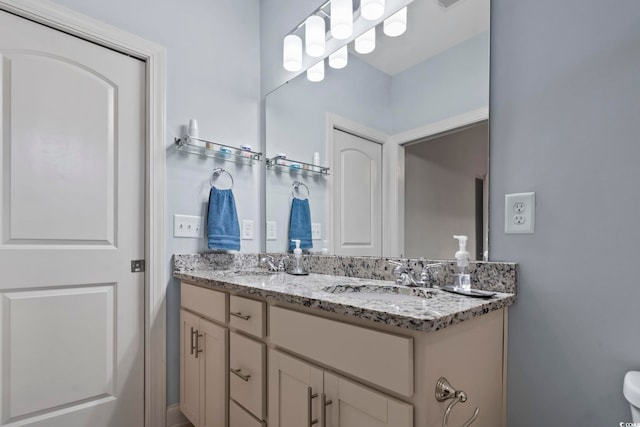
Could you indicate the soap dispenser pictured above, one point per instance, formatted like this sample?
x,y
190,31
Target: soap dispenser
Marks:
x,y
462,281
298,268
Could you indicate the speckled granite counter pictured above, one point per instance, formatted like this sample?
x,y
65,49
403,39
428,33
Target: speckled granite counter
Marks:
x,y
434,310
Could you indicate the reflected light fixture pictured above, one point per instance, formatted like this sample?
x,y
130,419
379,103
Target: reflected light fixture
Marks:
x,y
396,24
372,9
339,58
292,53
314,36
341,19
366,43
316,72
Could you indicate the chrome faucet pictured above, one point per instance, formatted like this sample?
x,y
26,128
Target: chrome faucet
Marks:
x,y
271,263
406,276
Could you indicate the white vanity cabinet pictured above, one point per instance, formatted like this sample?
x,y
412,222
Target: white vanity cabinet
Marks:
x,y
203,357
293,366
301,394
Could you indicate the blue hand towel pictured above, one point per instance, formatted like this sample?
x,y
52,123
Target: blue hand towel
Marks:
x,y
222,221
300,224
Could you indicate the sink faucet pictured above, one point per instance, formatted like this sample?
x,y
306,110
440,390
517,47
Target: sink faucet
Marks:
x,y
271,263
406,276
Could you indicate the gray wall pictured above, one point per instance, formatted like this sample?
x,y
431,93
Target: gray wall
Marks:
x,y
213,69
565,123
451,83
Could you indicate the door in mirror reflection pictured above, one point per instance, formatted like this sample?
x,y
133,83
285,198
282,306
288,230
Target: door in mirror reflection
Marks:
x,y
445,193
357,195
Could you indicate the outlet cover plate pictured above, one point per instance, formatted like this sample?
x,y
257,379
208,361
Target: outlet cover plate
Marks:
x,y
316,231
247,229
272,230
519,213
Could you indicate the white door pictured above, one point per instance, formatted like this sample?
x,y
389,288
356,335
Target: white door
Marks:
x,y
71,220
357,195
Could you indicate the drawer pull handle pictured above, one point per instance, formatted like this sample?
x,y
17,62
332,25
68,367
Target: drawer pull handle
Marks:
x,y
310,396
241,316
193,334
238,373
324,403
198,349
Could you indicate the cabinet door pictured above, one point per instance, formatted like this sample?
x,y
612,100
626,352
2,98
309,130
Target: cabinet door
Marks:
x,y
289,382
353,405
189,368
213,374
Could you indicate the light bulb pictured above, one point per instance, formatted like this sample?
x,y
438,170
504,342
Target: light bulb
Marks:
x,y
341,19
292,53
316,72
372,9
314,35
339,58
396,24
366,43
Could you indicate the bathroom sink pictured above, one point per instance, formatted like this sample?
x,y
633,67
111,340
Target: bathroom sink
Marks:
x,y
381,292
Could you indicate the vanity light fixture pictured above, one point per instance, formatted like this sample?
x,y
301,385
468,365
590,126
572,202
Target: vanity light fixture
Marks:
x,y
314,36
366,43
315,73
372,9
339,58
292,53
396,24
341,19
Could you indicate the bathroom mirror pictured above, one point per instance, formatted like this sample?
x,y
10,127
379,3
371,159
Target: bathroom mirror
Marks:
x,y
392,149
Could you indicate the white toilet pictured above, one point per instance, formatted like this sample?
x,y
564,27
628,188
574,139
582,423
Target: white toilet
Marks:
x,y
631,391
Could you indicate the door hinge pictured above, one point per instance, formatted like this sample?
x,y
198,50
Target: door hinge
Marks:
x,y
137,266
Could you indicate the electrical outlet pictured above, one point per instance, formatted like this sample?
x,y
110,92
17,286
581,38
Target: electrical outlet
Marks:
x,y
519,213
316,231
247,229
188,226
272,230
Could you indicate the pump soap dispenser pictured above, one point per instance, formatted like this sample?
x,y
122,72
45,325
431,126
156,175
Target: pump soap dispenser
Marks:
x,y
462,280
298,269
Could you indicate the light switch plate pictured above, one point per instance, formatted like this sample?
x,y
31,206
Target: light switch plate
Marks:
x,y
316,231
188,226
519,213
247,229
272,230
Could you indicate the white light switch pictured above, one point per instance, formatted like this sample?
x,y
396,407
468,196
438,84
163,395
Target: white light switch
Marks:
x,y
272,230
519,213
247,229
188,226
316,231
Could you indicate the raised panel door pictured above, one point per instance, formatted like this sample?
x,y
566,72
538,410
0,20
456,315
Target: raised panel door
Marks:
x,y
213,374
353,405
189,367
295,388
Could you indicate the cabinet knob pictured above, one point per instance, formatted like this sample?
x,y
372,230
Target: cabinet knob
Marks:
x,y
238,373
241,316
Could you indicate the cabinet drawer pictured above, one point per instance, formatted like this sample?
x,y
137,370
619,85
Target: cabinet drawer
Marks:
x,y
209,303
378,357
247,315
238,417
247,373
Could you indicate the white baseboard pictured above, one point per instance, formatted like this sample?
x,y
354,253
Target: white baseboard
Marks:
x,y
175,418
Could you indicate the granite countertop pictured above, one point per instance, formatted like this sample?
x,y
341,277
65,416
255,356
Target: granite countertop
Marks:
x,y
435,309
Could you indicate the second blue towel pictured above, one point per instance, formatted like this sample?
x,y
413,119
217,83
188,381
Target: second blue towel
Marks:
x,y
300,224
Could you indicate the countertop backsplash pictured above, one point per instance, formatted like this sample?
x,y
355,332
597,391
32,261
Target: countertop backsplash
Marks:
x,y
491,276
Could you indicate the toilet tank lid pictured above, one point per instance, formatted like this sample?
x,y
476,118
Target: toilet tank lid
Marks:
x,y
631,388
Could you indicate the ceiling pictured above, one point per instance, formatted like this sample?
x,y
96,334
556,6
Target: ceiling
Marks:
x,y
431,29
